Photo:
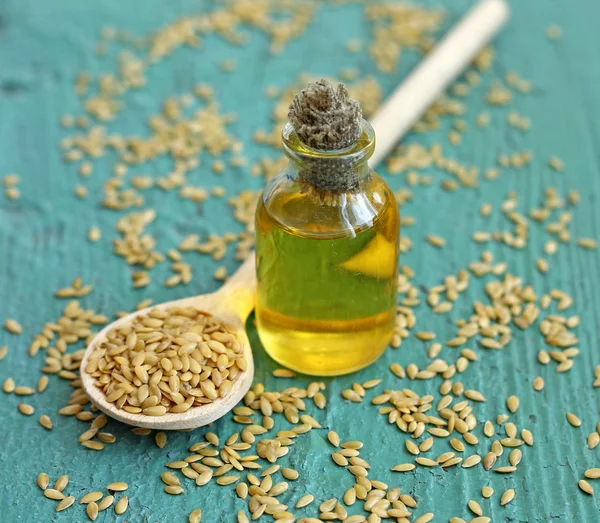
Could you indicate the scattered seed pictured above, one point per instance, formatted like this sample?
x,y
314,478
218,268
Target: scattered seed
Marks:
x,y
457,445
227,480
488,429
42,384
475,507
471,461
426,445
13,326
573,420
436,241
46,422
585,487
505,470
527,436
290,474
241,490
92,510
122,505
23,391
487,492
515,457
43,480
333,438
92,445
65,503
474,395
196,516
51,493
489,460
305,500
425,335
61,483
90,497
587,243
513,404
564,366
8,386
106,503
26,409
94,234
412,447
284,373
426,462
425,518
542,265
507,497
404,467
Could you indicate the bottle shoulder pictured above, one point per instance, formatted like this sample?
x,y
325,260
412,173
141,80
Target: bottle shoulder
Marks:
x,y
283,202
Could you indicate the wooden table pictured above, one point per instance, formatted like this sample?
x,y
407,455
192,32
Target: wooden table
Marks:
x,y
43,246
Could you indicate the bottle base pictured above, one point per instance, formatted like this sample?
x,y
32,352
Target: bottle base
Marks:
x,y
321,353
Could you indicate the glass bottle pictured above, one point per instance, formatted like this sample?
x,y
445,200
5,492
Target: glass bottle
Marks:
x,y
327,261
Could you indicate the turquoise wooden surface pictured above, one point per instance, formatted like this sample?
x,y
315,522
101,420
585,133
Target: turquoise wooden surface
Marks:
x,y
43,246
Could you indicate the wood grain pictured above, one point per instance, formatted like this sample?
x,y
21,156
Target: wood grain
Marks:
x,y
43,246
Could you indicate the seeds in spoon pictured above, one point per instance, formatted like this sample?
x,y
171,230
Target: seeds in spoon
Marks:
x,y
156,350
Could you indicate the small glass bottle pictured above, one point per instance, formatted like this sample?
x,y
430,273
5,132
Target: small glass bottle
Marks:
x,y
327,231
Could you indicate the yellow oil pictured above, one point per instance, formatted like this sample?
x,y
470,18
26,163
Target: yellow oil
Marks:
x,y
326,295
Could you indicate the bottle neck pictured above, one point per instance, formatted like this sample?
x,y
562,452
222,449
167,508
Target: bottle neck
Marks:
x,y
327,174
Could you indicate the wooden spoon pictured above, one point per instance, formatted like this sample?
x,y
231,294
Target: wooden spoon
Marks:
x,y
232,305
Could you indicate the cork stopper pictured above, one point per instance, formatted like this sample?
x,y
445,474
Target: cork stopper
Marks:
x,y
326,120
324,117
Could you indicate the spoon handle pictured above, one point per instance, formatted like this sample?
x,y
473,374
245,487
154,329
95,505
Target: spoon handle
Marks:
x,y
429,79
241,287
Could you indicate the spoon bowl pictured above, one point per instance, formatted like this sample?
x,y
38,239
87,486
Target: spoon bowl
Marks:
x,y
231,305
